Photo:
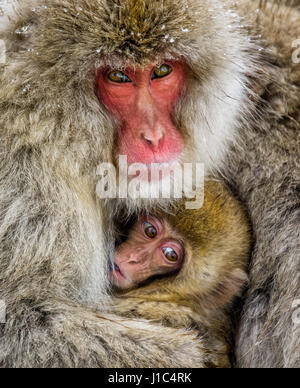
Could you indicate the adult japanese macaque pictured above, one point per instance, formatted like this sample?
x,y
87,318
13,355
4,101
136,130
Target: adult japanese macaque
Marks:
x,y
183,269
209,81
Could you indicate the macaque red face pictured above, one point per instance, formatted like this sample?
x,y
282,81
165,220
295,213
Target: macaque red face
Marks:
x,y
151,249
143,102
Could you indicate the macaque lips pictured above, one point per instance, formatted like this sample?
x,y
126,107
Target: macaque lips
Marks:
x,y
143,102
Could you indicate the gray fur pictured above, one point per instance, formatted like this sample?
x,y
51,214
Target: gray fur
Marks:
x,y
56,236
266,174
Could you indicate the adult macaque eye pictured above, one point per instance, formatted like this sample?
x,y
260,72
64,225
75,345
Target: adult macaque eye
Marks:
x,y
150,230
162,71
170,254
118,77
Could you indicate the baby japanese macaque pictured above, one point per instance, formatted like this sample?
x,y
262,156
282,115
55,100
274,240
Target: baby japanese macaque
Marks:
x,y
184,269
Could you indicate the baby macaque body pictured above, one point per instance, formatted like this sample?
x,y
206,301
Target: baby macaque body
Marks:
x,y
184,268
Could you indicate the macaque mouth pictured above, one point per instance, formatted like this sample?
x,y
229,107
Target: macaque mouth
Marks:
x,y
116,270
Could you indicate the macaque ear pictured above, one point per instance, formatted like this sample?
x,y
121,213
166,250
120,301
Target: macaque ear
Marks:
x,y
230,287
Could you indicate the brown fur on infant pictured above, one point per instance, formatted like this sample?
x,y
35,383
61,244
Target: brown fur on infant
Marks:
x,y
183,270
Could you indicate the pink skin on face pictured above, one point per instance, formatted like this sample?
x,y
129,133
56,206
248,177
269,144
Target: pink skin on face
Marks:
x,y
142,257
144,109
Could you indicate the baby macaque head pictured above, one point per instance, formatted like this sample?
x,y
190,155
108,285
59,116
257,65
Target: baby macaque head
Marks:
x,y
197,255
153,248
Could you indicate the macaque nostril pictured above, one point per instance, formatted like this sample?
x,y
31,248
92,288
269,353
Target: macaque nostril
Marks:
x,y
148,141
152,141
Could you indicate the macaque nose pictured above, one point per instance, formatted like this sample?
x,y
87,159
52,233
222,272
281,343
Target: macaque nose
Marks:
x,y
137,257
153,138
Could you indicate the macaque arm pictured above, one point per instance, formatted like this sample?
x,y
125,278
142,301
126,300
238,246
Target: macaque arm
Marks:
x,y
158,311
58,334
266,175
43,284
71,336
213,349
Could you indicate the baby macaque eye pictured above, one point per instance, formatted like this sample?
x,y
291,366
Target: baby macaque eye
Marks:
x,y
170,254
162,71
150,230
119,77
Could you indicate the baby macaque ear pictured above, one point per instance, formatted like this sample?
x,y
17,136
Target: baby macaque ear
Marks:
x,y
229,287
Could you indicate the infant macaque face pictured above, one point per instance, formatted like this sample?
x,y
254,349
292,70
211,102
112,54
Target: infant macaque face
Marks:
x,y
152,248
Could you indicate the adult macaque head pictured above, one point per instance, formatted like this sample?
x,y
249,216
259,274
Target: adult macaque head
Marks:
x,y
152,248
167,102
143,101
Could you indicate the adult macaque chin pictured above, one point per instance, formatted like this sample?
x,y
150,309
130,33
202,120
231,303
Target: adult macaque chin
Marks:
x,y
152,249
143,102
